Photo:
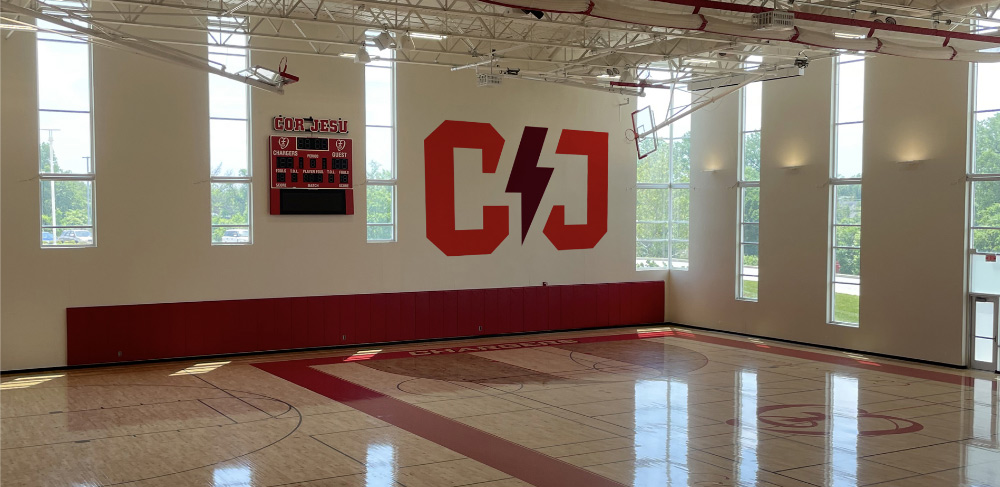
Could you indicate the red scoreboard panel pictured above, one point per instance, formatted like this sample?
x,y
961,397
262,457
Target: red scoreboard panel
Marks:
x,y
311,176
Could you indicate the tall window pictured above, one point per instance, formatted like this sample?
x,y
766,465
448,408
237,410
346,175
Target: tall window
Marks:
x,y
845,190
748,264
65,145
663,189
984,176
229,135
380,146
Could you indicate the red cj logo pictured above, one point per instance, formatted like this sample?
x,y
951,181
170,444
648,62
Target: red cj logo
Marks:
x,y
525,178
340,145
283,142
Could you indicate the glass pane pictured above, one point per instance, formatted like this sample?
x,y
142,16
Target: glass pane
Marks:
x,y
984,319
749,288
652,229
378,96
851,92
847,236
380,233
751,205
67,237
655,168
682,127
228,148
847,204
73,205
379,203
680,204
987,80
751,106
378,146
849,150
985,276
63,76
226,98
984,350
751,233
681,149
751,156
750,259
986,241
986,158
681,231
679,254
230,206
64,142
231,235
846,301
847,264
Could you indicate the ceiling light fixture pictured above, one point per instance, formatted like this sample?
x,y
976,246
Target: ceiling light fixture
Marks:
x,y
383,41
433,37
362,57
406,42
17,27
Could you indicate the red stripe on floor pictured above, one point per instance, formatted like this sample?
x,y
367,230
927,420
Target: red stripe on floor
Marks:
x,y
508,457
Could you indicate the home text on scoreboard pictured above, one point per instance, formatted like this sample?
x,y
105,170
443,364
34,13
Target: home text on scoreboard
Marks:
x,y
309,124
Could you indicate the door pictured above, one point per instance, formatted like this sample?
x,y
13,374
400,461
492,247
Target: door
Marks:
x,y
985,313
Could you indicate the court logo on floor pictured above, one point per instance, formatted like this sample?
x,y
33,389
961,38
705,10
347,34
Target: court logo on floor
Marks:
x,y
816,420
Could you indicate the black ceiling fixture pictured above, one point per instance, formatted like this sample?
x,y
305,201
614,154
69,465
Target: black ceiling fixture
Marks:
x,y
537,13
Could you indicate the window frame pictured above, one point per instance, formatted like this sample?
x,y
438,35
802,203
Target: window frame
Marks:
x,y
671,187
52,178
391,183
742,185
216,25
834,183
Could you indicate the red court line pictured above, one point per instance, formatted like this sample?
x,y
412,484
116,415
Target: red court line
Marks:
x,y
518,461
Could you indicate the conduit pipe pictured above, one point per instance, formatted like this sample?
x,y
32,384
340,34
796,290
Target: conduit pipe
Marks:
x,y
606,9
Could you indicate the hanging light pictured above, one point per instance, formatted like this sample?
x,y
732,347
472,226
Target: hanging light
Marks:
x,y
383,41
362,56
406,42
627,76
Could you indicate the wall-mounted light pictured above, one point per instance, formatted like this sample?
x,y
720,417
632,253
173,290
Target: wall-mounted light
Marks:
x,y
910,164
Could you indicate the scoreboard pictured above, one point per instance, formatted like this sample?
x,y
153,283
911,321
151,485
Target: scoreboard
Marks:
x,y
311,175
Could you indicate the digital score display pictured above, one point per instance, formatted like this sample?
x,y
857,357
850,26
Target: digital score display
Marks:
x,y
310,163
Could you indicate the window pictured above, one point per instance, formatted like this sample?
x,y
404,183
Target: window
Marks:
x,y
845,190
380,146
663,189
66,166
229,135
748,181
984,177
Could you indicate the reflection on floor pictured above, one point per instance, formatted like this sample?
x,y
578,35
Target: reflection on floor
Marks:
x,y
648,407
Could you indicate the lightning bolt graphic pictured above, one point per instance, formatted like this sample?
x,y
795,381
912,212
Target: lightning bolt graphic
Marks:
x,y
527,178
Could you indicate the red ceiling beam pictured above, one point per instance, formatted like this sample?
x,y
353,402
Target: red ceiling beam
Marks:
x,y
830,19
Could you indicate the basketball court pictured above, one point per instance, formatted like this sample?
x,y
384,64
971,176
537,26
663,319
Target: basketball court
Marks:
x,y
551,243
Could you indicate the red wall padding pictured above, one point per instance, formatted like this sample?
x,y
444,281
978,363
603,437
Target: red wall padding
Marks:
x,y
106,334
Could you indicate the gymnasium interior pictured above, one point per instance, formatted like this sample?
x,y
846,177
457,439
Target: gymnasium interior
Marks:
x,y
499,243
